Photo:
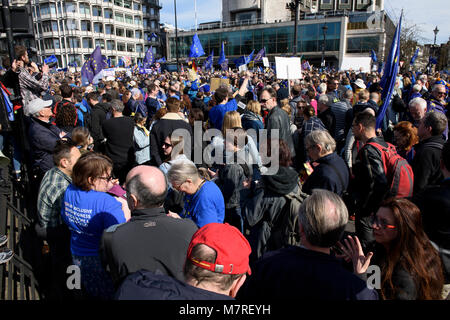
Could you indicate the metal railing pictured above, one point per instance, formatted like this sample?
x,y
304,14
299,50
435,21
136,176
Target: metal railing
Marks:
x,y
17,278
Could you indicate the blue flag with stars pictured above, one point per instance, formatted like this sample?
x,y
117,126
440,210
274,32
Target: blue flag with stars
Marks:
x,y
196,48
209,61
92,66
260,55
373,55
390,74
249,58
414,57
149,58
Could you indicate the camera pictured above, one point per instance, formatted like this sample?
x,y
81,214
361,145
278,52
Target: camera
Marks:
x,y
31,52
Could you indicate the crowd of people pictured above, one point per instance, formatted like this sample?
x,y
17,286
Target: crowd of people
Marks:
x,y
258,206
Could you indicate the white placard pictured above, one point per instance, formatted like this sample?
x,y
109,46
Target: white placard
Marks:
x,y
109,72
243,68
355,63
266,62
288,68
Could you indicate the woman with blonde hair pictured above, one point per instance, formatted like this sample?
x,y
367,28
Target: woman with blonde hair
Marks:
x,y
286,107
251,118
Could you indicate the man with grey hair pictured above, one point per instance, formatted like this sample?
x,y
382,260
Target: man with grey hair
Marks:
x,y
118,132
331,172
309,271
437,102
150,240
426,162
325,114
417,110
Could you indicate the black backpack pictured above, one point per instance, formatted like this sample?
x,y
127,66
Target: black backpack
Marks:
x,y
285,229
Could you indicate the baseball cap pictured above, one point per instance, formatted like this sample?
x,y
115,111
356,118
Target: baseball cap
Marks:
x,y
232,248
37,105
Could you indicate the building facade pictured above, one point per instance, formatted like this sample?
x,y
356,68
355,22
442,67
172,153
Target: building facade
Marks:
x,y
350,32
71,30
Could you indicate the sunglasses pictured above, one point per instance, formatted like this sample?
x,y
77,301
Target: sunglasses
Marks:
x,y
263,100
374,219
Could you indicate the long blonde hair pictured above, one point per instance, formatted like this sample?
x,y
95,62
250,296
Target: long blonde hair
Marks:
x,y
231,120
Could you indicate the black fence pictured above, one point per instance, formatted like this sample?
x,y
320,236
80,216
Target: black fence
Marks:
x,y
18,276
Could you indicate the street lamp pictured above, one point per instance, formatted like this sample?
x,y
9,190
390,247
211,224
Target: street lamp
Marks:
x,y
436,30
324,28
293,6
176,35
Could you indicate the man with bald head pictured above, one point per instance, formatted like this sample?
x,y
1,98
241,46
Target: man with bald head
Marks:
x,y
150,240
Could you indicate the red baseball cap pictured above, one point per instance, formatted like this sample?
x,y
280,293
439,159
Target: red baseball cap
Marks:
x,y
231,246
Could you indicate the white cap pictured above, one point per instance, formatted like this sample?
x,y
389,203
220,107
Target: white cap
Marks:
x,y
37,105
360,83
132,83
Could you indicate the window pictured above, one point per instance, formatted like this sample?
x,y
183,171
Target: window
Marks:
x,y
98,27
118,3
109,29
96,11
144,8
60,7
139,48
145,23
71,24
75,58
138,34
137,20
120,46
120,32
56,43
361,44
52,8
130,34
55,26
38,12
63,43
326,1
85,25
136,6
110,45
48,44
128,19
84,8
153,24
87,43
73,42
118,17
45,9
127,4
152,11
108,13
46,26
61,25
130,47
70,7
100,43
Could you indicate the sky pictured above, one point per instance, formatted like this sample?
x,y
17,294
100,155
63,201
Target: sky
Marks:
x,y
426,14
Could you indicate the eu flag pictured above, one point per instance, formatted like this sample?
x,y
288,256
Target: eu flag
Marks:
x,y
414,57
149,58
249,58
196,48
390,73
92,66
239,61
162,60
209,61
373,55
260,55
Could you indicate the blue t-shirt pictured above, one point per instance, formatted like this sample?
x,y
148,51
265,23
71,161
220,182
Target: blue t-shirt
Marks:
x,y
205,206
87,214
217,113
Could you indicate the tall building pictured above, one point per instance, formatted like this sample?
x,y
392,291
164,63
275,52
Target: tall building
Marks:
x,y
70,30
352,29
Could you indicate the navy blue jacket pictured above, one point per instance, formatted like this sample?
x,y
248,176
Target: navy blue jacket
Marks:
x,y
298,273
326,177
43,137
145,285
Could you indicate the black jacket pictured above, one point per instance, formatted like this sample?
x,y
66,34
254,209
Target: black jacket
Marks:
x,y
370,184
145,285
301,274
279,119
119,145
331,174
434,204
263,208
98,116
149,240
163,128
426,163
329,120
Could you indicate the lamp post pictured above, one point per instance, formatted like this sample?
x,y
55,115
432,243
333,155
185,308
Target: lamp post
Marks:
x,y
176,36
293,6
324,29
436,30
